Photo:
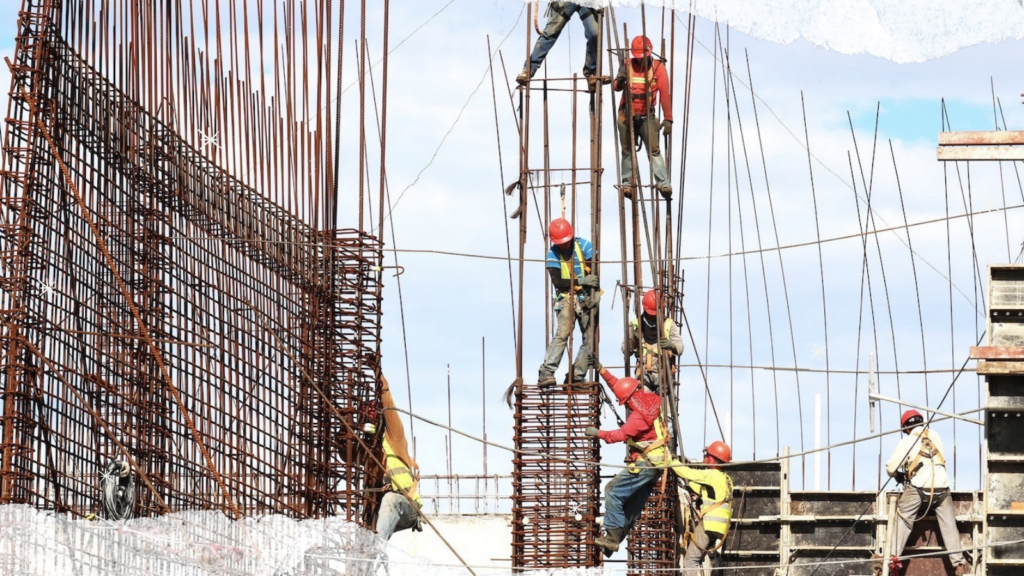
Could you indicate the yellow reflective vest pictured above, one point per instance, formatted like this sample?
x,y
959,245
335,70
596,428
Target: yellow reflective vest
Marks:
x,y
566,264
653,451
402,479
714,488
649,354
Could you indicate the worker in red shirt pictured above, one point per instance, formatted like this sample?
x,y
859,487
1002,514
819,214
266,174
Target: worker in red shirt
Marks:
x,y
644,79
647,435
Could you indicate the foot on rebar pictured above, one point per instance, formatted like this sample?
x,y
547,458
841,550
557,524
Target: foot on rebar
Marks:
x,y
626,190
546,381
666,191
523,77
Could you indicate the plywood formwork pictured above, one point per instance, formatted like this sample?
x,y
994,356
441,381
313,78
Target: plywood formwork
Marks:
x,y
158,310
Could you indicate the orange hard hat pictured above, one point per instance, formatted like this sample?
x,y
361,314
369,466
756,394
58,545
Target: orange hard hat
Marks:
x,y
651,302
911,418
560,231
624,388
641,47
720,450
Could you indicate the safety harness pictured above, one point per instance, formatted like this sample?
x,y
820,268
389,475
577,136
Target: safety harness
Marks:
x,y
647,449
926,451
649,354
720,513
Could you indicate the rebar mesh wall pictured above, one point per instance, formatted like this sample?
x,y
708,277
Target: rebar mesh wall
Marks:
x,y
555,494
268,329
653,542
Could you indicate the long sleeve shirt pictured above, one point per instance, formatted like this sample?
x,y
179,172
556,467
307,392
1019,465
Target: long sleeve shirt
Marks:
x,y
635,335
905,454
639,427
635,71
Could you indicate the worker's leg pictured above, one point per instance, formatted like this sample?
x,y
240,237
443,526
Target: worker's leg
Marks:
x,y
946,517
558,16
699,542
625,145
585,355
621,495
908,507
396,514
591,25
556,348
650,133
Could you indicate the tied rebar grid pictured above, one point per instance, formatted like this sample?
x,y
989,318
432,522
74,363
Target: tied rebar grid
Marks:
x,y
258,319
556,497
653,542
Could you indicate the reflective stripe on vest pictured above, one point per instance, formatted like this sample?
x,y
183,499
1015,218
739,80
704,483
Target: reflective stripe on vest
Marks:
x,y
653,450
566,265
639,84
402,480
715,514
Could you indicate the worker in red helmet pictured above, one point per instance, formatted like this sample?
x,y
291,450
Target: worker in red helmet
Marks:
x,y
710,504
647,339
919,464
559,13
577,295
648,438
643,79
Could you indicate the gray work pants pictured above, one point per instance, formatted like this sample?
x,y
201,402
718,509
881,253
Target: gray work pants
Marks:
x,y
699,541
648,128
396,514
584,357
909,506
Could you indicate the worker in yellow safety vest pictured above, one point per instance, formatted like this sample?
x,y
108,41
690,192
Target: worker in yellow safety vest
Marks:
x,y
399,508
710,491
647,340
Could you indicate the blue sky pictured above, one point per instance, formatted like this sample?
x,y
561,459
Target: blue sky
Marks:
x,y
451,303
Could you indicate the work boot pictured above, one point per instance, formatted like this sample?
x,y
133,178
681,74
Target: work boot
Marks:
x,y
546,381
666,191
964,568
609,543
627,191
523,77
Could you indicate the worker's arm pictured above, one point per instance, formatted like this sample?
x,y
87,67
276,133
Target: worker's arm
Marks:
x,y
899,455
620,78
634,426
560,284
677,339
665,91
699,475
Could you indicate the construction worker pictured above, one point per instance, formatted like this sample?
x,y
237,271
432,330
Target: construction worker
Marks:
x,y
558,16
647,341
399,508
567,263
643,79
710,491
647,437
919,464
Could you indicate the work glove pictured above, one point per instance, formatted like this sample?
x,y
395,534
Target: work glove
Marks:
x,y
591,432
667,344
589,281
666,127
900,477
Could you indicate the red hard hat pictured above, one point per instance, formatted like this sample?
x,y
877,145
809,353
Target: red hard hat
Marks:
x,y
624,388
650,302
641,47
560,231
908,416
719,450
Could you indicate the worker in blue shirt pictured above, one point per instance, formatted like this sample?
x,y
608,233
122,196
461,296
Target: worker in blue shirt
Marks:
x,y
567,264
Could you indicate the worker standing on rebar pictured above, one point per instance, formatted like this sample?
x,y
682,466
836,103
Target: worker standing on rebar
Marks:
x,y
400,506
647,436
644,79
918,463
559,13
647,340
710,505
577,294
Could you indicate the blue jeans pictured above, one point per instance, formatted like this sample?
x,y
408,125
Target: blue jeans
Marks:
x,y
626,494
553,356
396,514
560,14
